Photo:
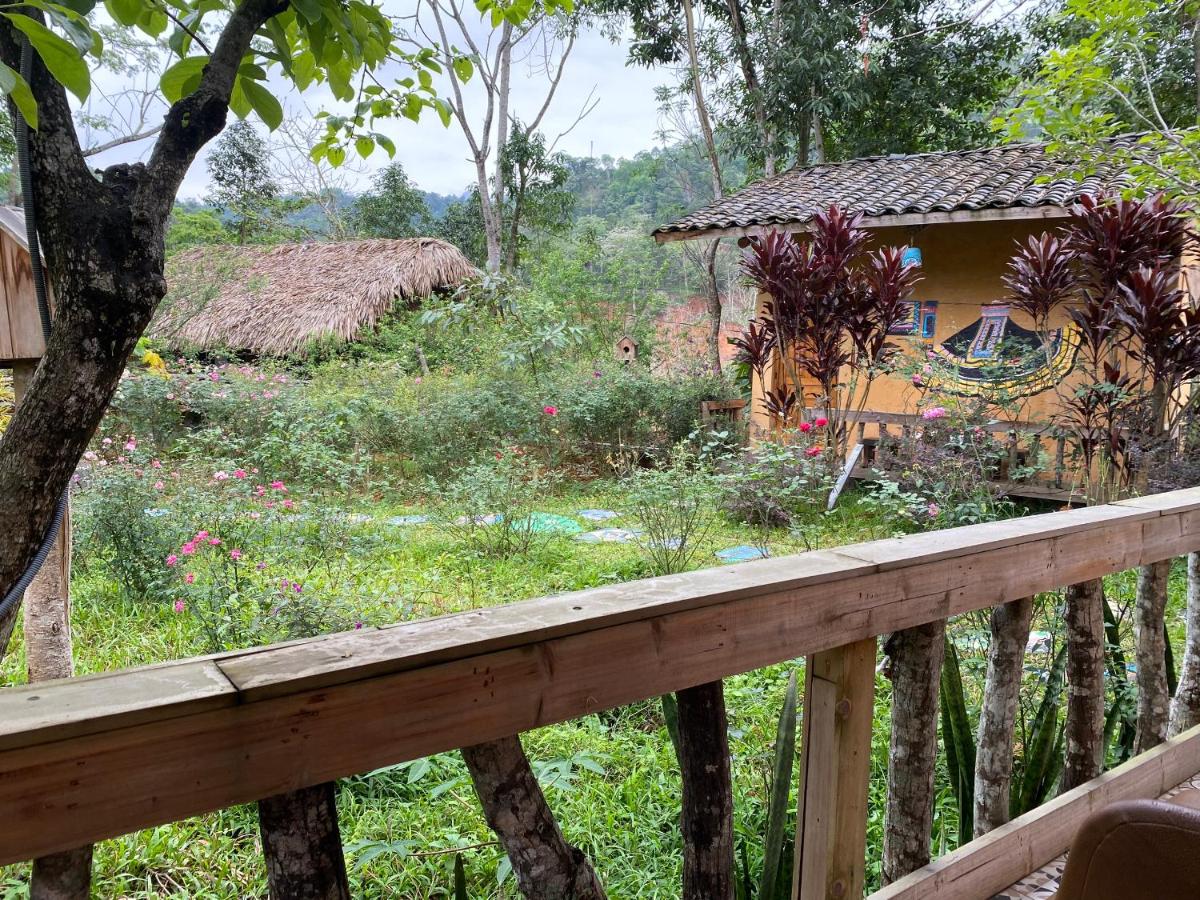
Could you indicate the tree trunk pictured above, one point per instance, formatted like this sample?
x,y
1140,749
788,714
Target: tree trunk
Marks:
x,y
1185,709
713,296
1153,697
707,817
737,30
916,664
546,866
1001,695
62,876
1084,758
302,845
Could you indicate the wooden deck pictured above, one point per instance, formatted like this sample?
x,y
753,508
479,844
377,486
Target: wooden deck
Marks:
x,y
92,758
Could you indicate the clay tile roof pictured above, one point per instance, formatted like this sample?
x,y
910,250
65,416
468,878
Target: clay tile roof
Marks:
x,y
993,178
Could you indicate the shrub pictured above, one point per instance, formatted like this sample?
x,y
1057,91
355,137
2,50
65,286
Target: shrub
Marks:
x,y
773,484
489,506
674,507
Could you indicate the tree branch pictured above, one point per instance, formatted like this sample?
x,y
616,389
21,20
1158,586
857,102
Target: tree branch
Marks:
x,y
122,140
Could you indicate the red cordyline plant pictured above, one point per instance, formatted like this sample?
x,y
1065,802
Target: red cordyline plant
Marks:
x,y
831,307
1116,264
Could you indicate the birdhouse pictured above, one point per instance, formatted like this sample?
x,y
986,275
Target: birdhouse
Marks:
x,y
626,349
20,325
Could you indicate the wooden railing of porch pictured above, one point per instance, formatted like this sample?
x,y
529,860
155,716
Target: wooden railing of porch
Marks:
x,y
91,758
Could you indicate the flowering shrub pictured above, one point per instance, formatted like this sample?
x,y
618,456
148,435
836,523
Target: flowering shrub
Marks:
x,y
773,484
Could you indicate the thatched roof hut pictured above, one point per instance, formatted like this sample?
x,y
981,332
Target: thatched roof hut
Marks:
x,y
276,300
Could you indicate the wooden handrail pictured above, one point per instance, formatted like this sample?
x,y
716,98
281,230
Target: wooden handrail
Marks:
x,y
91,758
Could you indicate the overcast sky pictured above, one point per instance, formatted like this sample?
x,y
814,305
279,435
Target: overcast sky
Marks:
x,y
625,119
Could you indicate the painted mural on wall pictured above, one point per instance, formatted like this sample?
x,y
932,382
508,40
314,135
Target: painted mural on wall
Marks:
x,y
994,353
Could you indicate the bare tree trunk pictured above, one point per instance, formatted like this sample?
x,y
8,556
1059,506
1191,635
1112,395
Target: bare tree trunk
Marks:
x,y
916,664
1001,695
707,817
48,656
1185,709
302,845
718,185
546,866
1084,758
713,296
737,28
1149,618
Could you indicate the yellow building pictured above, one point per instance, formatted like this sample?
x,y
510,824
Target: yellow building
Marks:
x,y
965,212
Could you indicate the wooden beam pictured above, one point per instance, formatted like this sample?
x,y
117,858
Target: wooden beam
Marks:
x,y
835,773
906,220
292,716
1002,857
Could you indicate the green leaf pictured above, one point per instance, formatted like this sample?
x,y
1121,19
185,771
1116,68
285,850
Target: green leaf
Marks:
x,y
126,12
386,143
336,156
263,101
13,85
182,78
238,101
781,787
463,68
364,146
460,879
62,60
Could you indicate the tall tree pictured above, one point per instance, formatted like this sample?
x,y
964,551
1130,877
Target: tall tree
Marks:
x,y
392,208
535,180
542,44
244,190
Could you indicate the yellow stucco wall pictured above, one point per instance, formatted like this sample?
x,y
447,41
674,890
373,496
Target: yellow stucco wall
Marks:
x,y
962,268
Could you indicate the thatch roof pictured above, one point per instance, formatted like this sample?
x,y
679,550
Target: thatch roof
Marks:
x,y
275,300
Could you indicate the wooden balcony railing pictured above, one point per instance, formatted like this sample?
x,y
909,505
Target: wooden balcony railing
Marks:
x,y
91,758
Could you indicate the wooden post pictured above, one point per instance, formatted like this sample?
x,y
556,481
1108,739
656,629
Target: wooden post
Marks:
x,y
835,771
47,622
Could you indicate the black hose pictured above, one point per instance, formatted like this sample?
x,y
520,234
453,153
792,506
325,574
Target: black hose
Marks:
x,y
12,599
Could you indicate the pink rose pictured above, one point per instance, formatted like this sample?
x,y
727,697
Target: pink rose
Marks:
x,y
190,578
821,422
235,554
934,412
806,427
812,451
180,606
172,559
239,473
550,410
158,486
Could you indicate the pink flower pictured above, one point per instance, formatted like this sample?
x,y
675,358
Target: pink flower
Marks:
x,y
259,490
180,606
90,456
934,412
172,559
916,380
296,587
417,380
358,626
200,535
261,566
278,486
550,410
812,451
934,510
190,578
214,542
221,476
256,515
235,554
288,504
155,464
239,473
106,442
131,445
158,486
806,427
188,549
821,422
214,376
